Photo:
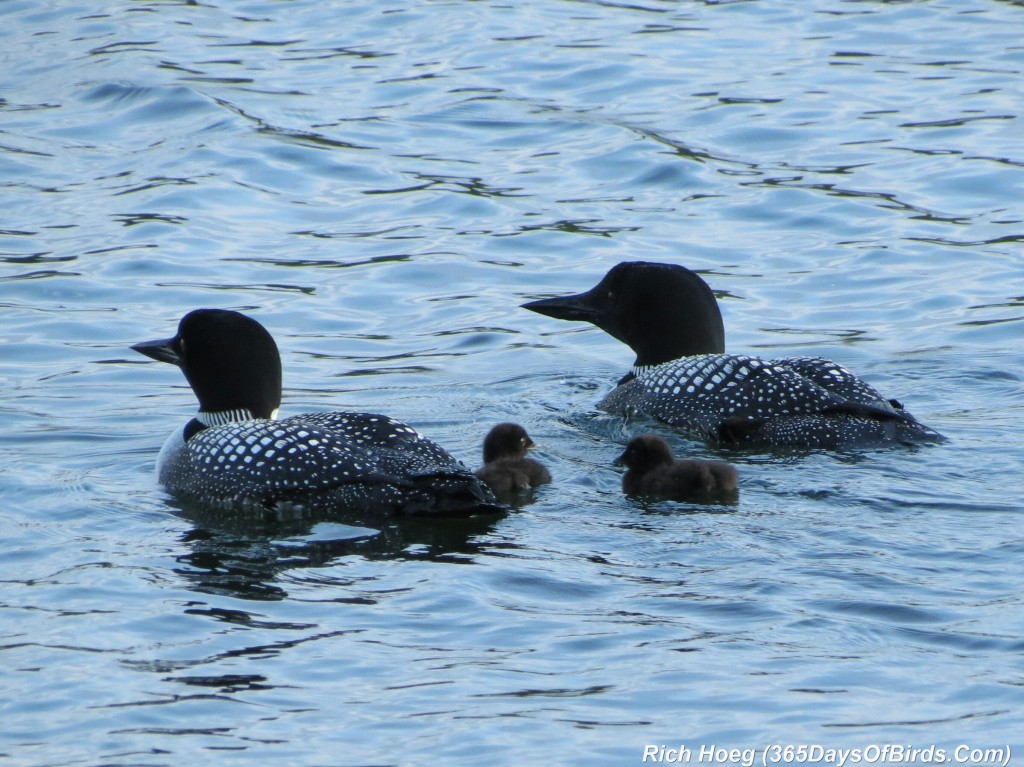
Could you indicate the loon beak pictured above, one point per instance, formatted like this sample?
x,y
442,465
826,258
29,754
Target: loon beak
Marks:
x,y
621,460
161,350
581,307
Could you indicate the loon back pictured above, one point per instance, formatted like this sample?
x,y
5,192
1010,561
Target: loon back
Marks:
x,y
735,399
306,463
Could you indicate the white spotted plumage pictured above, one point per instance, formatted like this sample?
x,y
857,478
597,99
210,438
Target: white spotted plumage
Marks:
x,y
798,400
340,454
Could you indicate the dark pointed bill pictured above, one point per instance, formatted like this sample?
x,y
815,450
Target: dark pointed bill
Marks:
x,y
161,350
577,307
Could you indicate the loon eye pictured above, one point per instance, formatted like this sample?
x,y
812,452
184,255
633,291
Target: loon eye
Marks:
x,y
611,295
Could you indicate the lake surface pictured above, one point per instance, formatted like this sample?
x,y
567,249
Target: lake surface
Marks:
x,y
382,185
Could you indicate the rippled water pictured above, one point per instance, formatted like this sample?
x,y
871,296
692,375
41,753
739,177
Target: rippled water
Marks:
x,y
382,186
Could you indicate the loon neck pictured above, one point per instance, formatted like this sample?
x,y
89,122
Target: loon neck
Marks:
x,y
219,417
206,419
668,341
634,371
640,369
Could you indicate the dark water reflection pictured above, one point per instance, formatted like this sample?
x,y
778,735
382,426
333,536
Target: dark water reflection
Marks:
x,y
235,555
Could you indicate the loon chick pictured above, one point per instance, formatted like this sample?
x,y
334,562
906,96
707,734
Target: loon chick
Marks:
x,y
682,376
654,472
234,453
506,468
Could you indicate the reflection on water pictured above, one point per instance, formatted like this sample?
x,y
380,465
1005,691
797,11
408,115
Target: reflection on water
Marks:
x,y
236,555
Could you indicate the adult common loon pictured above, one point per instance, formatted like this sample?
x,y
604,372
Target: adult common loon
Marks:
x,y
234,453
682,376
653,471
506,468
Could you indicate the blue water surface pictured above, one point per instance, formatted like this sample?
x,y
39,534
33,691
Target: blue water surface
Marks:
x,y
382,185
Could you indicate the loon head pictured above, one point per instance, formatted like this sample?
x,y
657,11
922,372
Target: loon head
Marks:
x,y
661,311
644,453
230,360
506,440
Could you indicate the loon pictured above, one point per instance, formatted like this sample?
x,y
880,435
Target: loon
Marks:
x,y
682,375
654,472
506,468
235,454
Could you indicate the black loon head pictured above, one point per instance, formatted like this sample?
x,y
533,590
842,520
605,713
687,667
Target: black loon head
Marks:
x,y
506,440
661,311
230,360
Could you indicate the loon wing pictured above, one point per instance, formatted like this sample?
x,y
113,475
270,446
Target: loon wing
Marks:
x,y
261,459
720,396
413,473
394,445
836,379
263,462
